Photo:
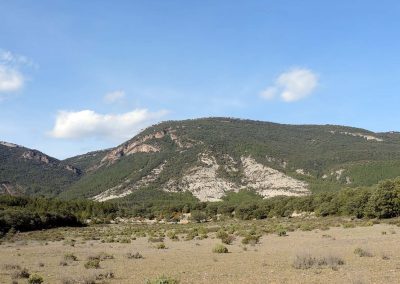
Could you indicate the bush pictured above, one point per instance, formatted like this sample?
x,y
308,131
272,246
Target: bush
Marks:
x,y
362,252
35,279
219,248
198,216
225,237
251,239
70,257
306,261
135,255
92,264
20,273
163,280
282,233
161,246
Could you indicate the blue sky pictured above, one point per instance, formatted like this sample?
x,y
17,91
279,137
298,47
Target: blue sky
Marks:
x,y
77,76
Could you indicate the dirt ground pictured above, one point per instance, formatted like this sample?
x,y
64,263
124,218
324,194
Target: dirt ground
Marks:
x,y
270,261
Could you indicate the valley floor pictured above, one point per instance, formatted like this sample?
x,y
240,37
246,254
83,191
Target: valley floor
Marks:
x,y
192,261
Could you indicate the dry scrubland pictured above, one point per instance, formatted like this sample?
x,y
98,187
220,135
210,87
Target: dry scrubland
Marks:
x,y
328,250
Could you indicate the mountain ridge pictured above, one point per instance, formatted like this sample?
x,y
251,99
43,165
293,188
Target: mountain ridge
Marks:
x,y
209,157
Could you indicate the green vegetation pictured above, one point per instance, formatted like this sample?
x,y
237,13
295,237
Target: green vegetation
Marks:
x,y
362,252
307,261
163,280
320,151
32,172
35,279
24,213
19,213
220,249
92,264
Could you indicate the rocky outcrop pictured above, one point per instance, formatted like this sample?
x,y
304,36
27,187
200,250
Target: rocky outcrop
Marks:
x,y
7,144
269,182
143,144
368,137
127,187
204,183
9,188
36,156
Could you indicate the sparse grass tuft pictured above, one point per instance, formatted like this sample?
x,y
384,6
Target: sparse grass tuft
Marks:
x,y
163,280
219,248
362,252
92,264
134,255
105,275
70,257
35,279
161,246
307,261
20,273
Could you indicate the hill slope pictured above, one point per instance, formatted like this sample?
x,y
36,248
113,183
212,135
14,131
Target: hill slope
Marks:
x,y
210,157
28,171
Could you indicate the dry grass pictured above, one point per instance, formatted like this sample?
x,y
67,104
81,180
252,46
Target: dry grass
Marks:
x,y
307,261
271,260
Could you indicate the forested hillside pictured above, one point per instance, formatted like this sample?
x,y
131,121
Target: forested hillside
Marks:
x,y
230,154
208,158
27,171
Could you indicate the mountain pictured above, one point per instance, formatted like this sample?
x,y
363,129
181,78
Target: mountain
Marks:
x,y
27,171
212,156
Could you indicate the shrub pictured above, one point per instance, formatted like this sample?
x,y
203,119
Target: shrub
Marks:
x,y
362,252
198,216
105,275
228,239
225,237
163,280
161,246
172,235
35,279
101,256
306,261
155,240
282,233
251,239
70,257
11,267
135,255
219,248
20,273
92,263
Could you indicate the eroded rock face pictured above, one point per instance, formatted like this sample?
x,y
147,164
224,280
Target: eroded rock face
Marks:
x,y
37,156
9,188
126,187
203,182
361,135
73,169
42,158
7,144
143,145
269,182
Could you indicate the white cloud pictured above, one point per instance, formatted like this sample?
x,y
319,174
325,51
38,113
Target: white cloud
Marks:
x,y
114,96
294,85
269,93
10,79
7,57
87,124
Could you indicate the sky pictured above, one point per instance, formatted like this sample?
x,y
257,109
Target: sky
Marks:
x,y
77,76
